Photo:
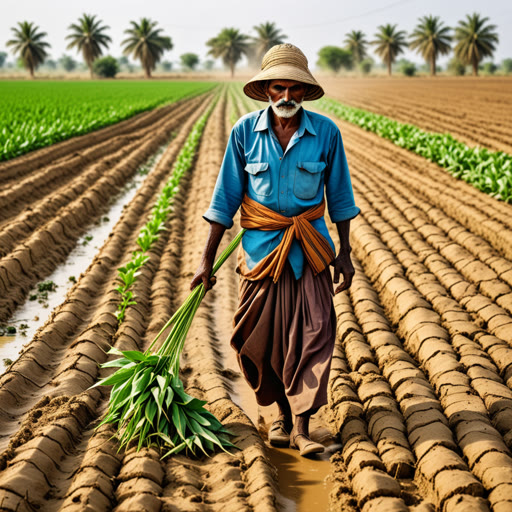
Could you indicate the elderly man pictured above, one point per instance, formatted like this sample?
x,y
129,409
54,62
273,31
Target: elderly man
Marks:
x,y
277,164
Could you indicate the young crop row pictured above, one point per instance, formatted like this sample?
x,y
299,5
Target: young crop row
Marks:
x,y
35,115
490,172
149,233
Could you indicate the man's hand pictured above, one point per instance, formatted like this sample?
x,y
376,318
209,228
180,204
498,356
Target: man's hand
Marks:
x,y
343,265
205,267
203,276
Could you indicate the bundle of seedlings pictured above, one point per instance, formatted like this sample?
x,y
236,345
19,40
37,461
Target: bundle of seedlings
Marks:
x,y
148,404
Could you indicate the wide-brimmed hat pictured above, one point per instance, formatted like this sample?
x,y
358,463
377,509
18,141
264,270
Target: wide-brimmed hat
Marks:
x,y
283,62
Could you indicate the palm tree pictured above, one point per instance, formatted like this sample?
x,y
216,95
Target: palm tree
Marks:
x,y
431,39
88,36
268,35
230,45
146,43
389,43
29,44
355,42
475,40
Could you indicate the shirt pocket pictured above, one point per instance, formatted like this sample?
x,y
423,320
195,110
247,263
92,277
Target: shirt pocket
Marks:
x,y
308,178
259,178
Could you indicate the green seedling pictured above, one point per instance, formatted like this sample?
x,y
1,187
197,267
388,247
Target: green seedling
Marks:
x,y
46,286
35,115
148,404
150,232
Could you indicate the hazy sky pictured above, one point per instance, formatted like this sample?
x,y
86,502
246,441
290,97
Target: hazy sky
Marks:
x,y
308,24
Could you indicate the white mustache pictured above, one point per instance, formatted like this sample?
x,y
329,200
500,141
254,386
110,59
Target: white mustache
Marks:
x,y
284,108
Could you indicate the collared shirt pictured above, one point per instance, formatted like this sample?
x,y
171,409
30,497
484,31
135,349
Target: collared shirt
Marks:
x,y
288,182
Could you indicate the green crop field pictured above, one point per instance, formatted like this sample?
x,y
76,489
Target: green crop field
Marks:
x,y
37,114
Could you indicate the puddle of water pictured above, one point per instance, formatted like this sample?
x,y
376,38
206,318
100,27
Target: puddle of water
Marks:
x,y
34,314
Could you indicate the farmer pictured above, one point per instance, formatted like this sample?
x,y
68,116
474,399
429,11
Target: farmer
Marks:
x,y
277,163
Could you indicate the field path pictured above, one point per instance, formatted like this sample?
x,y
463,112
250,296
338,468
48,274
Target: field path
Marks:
x,y
477,111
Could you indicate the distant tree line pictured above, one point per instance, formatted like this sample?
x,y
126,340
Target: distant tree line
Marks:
x,y
474,39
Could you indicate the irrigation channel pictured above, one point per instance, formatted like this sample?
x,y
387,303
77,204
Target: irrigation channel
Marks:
x,y
420,407
35,311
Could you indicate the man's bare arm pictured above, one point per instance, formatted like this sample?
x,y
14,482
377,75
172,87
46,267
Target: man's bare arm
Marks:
x,y
207,260
343,264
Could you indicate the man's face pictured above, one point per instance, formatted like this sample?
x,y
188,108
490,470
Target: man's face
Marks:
x,y
285,96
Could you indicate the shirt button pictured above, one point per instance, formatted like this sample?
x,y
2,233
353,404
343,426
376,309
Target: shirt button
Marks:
x,y
280,158
282,192
282,211
282,176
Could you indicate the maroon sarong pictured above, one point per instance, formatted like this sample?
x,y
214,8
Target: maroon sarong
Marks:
x,y
284,337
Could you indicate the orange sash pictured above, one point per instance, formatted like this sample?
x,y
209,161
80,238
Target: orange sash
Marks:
x,y
316,248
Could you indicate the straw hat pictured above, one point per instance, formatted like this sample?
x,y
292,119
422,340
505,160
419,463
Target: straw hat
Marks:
x,y
283,62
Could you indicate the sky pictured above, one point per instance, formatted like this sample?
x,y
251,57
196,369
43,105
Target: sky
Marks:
x,y
308,24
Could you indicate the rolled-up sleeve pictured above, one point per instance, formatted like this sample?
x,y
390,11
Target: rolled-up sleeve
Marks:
x,y
229,188
338,187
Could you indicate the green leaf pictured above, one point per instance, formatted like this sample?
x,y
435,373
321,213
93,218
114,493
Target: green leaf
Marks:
x,y
178,420
117,363
121,375
134,355
169,397
151,409
178,448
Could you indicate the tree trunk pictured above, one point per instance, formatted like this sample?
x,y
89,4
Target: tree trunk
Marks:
x,y
232,67
31,70
389,67
90,71
475,67
433,65
147,72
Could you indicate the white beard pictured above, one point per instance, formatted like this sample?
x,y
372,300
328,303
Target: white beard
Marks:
x,y
285,112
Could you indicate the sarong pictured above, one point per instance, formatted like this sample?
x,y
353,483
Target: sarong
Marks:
x,y
284,337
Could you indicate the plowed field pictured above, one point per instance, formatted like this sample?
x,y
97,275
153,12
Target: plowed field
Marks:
x,y
420,401
475,111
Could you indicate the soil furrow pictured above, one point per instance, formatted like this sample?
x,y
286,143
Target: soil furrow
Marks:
x,y
49,245
479,213
480,367
80,171
428,428
426,339
25,164
425,178
440,105
38,214
419,211
458,272
93,300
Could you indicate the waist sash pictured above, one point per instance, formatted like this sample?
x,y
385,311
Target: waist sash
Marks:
x,y
316,247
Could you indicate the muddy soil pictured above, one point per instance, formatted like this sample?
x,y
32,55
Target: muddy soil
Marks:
x,y
420,402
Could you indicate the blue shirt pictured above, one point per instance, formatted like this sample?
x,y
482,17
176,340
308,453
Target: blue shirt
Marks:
x,y
287,182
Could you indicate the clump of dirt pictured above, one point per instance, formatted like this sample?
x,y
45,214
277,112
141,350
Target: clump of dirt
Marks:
x,y
45,412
